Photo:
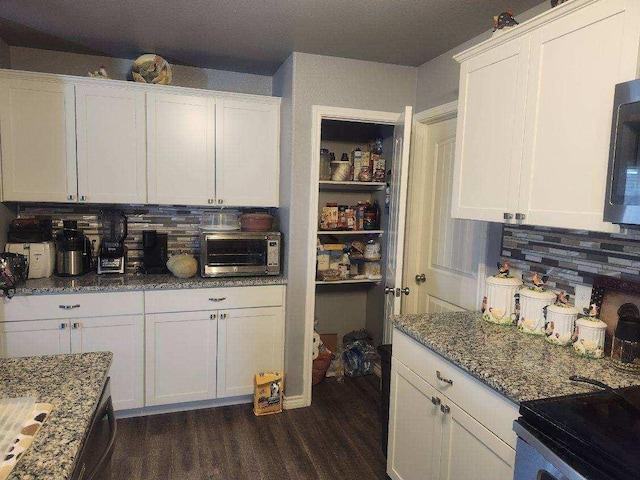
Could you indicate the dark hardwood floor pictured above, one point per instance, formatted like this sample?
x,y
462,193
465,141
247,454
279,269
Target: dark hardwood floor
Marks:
x,y
338,437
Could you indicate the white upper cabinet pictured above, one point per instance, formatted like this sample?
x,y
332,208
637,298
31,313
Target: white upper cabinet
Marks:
x,y
181,134
556,161
37,128
247,153
489,133
110,126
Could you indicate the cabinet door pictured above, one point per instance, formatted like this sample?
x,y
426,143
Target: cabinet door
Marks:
x,y
180,351
470,451
124,337
37,126
414,426
250,340
247,153
575,63
36,337
491,112
110,125
180,149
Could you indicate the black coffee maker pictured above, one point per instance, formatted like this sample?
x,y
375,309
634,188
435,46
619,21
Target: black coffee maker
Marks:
x,y
154,252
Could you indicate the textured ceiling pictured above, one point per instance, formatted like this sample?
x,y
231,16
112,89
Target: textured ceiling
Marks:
x,y
251,35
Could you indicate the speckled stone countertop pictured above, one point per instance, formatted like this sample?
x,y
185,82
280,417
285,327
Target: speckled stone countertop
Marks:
x,y
73,384
519,366
92,282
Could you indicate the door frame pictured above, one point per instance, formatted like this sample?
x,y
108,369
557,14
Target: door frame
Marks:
x,y
319,113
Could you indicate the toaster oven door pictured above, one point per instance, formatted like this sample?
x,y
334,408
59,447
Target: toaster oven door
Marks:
x,y
231,256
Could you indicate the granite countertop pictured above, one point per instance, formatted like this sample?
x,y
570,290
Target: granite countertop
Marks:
x,y
517,365
92,282
73,384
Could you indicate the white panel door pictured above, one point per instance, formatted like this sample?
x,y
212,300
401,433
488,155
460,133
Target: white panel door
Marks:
x,y
111,143
575,63
247,153
34,337
37,127
180,149
470,451
443,255
124,337
491,111
397,213
180,354
414,426
250,341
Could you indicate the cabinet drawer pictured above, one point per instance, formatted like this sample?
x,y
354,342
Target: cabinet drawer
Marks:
x,y
213,299
487,406
76,305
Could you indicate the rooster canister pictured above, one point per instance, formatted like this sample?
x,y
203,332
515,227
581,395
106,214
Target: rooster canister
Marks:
x,y
532,303
500,302
561,323
590,341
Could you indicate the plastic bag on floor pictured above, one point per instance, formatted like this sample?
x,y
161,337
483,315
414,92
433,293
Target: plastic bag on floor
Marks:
x,y
359,358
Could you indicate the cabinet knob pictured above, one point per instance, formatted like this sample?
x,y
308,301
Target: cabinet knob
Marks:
x,y
223,315
445,409
75,325
210,201
70,197
520,216
507,216
63,326
442,379
213,316
220,201
83,198
435,400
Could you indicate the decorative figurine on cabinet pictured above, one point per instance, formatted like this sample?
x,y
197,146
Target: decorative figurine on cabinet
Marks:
x,y
503,23
555,3
100,73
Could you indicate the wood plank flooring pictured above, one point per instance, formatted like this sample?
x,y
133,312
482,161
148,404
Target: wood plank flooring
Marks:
x,y
338,437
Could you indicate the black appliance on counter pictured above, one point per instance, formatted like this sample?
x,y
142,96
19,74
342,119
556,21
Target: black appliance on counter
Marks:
x,y
100,440
584,436
112,257
30,230
73,250
154,252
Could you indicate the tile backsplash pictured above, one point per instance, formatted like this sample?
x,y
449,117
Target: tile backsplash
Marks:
x,y
572,257
180,223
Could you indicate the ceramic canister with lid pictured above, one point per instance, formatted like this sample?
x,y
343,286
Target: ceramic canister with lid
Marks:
x,y
500,305
561,321
532,303
590,342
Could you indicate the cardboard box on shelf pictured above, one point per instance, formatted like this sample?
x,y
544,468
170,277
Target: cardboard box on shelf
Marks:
x,y
330,341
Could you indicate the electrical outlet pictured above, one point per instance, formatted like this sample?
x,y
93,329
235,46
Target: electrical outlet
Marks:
x,y
583,296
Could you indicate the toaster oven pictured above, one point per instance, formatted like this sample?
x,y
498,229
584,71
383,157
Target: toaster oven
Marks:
x,y
230,254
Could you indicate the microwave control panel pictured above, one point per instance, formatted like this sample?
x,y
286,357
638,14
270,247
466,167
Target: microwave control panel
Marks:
x,y
273,253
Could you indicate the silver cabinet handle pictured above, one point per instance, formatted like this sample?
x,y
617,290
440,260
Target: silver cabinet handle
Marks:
x,y
213,316
445,409
69,307
217,299
520,216
421,278
220,201
442,379
75,325
83,198
210,201
63,326
70,197
435,400
223,315
507,216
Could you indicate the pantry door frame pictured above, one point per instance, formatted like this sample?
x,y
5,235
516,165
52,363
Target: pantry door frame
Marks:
x,y
319,113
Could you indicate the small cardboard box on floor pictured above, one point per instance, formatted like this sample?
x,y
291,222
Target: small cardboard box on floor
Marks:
x,y
268,393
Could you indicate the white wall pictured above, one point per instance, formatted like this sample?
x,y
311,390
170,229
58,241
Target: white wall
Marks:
x,y
437,81
51,61
329,81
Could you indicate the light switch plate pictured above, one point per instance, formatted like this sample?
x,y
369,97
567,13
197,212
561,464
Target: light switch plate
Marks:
x,y
583,296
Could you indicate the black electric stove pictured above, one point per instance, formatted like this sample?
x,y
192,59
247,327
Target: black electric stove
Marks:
x,y
597,434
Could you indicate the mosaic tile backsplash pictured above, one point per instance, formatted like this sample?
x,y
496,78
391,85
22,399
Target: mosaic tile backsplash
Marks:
x,y
180,223
572,257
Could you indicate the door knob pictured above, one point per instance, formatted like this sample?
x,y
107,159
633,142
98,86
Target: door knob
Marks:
x,y
421,278
388,290
405,290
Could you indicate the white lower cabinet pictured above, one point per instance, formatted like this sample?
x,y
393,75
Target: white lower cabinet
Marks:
x,y
76,323
180,357
431,436
250,340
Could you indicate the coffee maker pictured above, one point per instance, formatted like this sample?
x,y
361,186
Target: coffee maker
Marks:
x,y
154,252
73,250
112,256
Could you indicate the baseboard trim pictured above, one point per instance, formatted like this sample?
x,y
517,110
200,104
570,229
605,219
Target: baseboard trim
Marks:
x,y
183,407
293,401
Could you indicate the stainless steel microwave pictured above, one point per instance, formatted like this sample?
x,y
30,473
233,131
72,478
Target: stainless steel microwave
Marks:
x,y
230,254
622,201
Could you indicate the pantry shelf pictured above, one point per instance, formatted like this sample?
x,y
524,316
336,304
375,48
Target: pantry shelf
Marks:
x,y
350,232
351,186
337,282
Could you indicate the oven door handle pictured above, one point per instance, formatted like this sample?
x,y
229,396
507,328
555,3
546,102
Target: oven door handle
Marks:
x,y
108,411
